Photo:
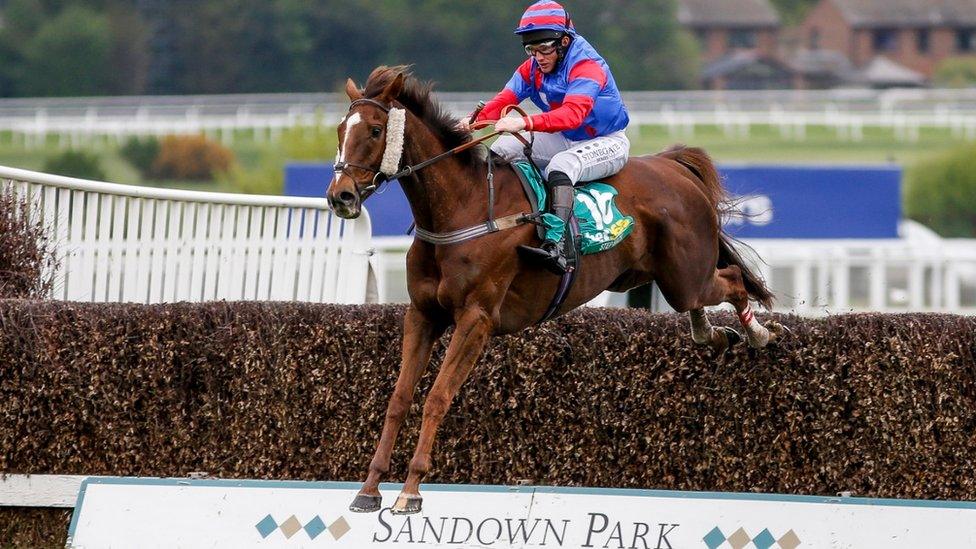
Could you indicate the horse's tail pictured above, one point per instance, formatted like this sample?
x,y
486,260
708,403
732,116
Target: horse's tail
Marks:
x,y
701,165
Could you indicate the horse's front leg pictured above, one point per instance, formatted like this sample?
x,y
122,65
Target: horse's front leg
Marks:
x,y
419,335
470,336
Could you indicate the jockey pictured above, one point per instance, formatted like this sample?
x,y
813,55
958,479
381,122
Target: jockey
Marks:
x,y
583,117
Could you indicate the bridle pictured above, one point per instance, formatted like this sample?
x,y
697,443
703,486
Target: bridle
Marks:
x,y
380,177
491,225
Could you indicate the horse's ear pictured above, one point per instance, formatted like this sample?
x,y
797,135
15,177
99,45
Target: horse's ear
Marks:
x,y
352,91
393,89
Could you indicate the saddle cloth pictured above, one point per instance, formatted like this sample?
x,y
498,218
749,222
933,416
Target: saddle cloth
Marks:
x,y
601,225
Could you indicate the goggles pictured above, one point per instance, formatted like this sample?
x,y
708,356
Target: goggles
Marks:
x,y
545,48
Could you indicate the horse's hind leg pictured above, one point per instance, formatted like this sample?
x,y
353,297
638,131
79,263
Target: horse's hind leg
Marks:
x,y
727,285
703,333
419,335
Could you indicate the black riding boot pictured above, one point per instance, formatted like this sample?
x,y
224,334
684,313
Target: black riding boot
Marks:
x,y
550,254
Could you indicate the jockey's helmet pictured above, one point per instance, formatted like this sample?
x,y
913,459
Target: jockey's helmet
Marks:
x,y
542,21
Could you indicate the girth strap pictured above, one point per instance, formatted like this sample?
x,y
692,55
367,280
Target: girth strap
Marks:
x,y
468,233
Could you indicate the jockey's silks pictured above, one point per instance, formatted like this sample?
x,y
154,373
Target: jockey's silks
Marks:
x,y
579,99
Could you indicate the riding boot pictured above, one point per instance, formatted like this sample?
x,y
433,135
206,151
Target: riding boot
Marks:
x,y
551,253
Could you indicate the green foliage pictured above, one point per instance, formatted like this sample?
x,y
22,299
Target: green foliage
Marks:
x,y
80,47
643,46
941,193
129,52
247,46
10,65
23,18
956,72
306,143
140,152
316,142
82,164
266,178
69,55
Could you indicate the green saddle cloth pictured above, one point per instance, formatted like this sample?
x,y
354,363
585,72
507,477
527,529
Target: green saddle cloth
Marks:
x,y
601,224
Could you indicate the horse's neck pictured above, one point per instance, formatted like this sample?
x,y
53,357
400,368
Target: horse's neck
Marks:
x,y
446,195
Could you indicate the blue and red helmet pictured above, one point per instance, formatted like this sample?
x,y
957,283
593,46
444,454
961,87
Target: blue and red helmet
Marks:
x,y
544,20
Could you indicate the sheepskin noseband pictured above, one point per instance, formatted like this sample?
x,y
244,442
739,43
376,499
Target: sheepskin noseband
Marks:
x,y
396,125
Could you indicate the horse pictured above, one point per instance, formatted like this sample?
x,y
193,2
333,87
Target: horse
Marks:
x,y
481,286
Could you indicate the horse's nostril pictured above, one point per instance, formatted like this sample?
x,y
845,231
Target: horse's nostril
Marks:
x,y
347,197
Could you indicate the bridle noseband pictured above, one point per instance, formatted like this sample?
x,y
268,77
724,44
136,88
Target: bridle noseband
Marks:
x,y
379,178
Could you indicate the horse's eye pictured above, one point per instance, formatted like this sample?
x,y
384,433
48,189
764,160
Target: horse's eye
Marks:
x,y
375,131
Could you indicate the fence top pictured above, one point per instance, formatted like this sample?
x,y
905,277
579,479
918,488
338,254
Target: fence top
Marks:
x,y
72,183
853,100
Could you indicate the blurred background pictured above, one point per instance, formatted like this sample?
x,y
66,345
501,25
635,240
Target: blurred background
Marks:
x,y
846,128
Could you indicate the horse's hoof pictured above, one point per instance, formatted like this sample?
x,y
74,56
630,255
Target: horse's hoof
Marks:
x,y
732,337
407,505
365,503
728,339
776,331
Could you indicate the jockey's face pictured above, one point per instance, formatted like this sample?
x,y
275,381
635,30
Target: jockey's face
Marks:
x,y
546,54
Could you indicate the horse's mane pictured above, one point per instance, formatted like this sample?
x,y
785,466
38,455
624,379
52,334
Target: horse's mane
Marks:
x,y
417,97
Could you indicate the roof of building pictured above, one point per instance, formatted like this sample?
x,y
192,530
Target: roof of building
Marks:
x,y
738,61
883,72
910,13
813,62
727,13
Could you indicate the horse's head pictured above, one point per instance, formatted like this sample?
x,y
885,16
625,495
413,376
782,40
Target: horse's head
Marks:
x,y
370,146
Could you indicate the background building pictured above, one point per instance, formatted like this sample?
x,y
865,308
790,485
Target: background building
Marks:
x,y
738,41
913,36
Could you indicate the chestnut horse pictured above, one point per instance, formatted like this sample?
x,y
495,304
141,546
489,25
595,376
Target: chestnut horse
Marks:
x,y
482,287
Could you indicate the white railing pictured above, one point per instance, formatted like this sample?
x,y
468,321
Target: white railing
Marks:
x,y
147,245
917,272
73,121
892,276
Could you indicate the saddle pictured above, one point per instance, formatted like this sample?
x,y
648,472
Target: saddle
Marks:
x,y
594,225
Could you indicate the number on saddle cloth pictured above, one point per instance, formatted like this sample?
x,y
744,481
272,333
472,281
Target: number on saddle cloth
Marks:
x,y
601,224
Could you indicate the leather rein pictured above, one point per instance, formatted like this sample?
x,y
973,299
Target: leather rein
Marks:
x,y
492,225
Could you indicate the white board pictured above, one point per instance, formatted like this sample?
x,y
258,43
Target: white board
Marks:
x,y
132,512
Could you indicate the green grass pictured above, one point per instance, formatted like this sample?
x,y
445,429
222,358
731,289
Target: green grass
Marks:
x,y
821,146
764,144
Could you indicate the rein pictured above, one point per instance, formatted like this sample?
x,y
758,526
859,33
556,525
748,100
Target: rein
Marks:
x,y
491,225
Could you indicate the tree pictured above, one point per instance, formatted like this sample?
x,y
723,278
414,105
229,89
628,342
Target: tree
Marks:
x,y
69,55
349,39
463,46
74,47
21,19
470,45
641,41
259,49
129,52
